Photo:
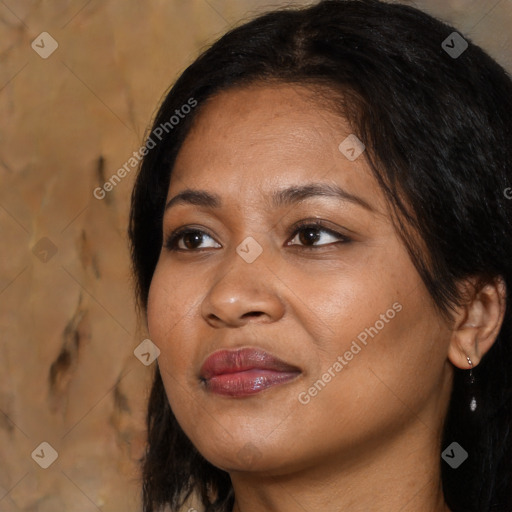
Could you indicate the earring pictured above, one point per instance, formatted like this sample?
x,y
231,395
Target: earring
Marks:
x,y
472,403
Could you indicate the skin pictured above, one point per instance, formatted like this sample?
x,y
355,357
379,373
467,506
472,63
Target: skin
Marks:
x,y
370,439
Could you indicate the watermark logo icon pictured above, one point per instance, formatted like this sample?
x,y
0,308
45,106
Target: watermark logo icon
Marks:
x,y
454,455
454,45
44,249
45,455
146,352
352,147
249,249
44,45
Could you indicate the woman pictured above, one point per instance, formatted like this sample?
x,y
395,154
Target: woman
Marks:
x,y
321,243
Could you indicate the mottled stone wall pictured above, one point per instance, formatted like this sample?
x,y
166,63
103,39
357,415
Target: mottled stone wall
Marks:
x,y
68,330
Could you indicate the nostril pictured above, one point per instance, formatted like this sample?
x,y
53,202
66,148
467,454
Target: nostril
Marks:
x,y
253,314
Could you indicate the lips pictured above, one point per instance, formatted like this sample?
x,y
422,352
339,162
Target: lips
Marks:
x,y
244,372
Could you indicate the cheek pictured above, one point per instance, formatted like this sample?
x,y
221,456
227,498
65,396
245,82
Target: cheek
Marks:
x,y
170,300
382,385
380,320
159,310
339,305
170,296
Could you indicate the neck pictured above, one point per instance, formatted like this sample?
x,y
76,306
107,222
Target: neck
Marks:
x,y
404,475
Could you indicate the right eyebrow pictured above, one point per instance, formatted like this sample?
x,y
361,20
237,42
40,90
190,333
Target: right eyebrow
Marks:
x,y
195,197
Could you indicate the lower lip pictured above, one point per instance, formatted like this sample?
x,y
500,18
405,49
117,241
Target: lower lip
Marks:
x,y
248,382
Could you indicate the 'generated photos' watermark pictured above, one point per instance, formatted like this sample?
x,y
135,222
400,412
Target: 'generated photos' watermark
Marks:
x,y
305,397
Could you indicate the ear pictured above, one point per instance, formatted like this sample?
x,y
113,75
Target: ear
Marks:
x,y
477,322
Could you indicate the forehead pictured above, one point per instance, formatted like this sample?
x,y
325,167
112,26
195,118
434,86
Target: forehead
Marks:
x,y
284,118
263,137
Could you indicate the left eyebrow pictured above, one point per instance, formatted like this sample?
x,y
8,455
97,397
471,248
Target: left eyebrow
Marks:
x,y
284,197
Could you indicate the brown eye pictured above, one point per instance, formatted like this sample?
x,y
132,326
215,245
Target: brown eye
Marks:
x,y
309,235
189,240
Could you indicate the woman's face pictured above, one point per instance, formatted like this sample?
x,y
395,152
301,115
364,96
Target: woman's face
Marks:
x,y
344,350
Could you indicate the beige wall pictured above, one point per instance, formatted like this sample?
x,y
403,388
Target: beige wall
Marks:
x,y
68,329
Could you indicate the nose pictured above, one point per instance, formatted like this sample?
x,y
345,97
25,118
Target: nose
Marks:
x,y
244,292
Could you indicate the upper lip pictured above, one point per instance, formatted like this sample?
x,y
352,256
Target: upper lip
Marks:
x,y
239,360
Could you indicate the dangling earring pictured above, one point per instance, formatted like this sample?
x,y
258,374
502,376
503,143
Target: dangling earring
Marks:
x,y
472,403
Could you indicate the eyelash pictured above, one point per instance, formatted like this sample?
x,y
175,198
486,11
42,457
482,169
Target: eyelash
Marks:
x,y
174,237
